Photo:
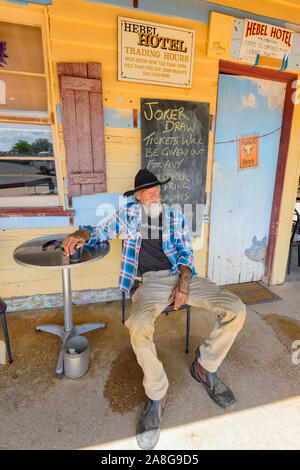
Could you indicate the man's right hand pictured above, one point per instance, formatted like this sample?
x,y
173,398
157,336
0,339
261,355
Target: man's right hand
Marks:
x,y
76,239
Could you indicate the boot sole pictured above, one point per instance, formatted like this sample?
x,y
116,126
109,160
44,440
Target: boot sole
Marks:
x,y
147,445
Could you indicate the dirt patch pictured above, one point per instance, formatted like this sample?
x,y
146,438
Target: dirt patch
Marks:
x,y
124,389
286,330
35,354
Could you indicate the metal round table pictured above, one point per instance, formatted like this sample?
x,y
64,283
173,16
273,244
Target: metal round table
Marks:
x,y
31,254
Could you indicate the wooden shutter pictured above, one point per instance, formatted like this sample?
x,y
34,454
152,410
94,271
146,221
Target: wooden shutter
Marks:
x,y
80,87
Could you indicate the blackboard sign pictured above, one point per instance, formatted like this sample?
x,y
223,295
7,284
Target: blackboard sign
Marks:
x,y
175,144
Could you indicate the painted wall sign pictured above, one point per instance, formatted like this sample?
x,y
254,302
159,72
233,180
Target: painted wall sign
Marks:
x,y
248,152
155,53
265,44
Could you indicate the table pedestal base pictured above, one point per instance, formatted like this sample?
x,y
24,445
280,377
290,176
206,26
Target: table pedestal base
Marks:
x,y
65,335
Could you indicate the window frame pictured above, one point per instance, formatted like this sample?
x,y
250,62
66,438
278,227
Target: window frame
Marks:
x,y
38,17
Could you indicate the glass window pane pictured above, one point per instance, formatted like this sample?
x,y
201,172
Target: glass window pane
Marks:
x,y
24,139
23,47
22,92
27,178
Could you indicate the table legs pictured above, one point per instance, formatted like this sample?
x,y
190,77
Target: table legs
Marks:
x,y
6,337
67,331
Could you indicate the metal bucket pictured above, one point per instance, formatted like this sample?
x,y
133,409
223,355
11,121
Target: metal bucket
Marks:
x,y
76,357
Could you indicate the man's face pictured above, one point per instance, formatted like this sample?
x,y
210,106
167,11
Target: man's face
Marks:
x,y
148,197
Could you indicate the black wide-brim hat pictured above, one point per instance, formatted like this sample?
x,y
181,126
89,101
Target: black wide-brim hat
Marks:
x,y
144,180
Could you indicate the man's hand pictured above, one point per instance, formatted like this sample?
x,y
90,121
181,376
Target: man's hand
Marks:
x,y
76,239
181,291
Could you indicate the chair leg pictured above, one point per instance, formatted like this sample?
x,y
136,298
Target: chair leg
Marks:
x,y
289,260
5,331
123,306
188,319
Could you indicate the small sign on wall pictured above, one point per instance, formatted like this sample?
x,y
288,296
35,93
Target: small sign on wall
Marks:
x,y
265,44
155,53
248,152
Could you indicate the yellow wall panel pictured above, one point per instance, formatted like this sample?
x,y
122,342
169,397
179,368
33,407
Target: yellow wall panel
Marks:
x,y
219,36
127,168
288,10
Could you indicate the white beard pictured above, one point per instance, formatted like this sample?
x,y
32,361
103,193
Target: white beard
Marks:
x,y
153,210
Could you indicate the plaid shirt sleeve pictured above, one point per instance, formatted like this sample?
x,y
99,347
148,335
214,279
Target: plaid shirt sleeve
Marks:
x,y
109,229
184,245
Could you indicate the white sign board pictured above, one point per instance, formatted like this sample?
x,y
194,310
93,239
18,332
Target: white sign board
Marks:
x,y
155,53
266,40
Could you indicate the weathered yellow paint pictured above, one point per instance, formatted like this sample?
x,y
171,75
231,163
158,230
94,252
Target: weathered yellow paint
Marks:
x,y
75,35
219,36
31,14
74,30
287,10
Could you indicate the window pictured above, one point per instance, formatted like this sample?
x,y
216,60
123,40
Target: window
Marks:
x,y
27,162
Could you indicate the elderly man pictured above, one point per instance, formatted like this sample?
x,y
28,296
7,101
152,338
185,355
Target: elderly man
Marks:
x,y
157,246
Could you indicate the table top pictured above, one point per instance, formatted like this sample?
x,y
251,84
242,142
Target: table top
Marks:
x,y
31,254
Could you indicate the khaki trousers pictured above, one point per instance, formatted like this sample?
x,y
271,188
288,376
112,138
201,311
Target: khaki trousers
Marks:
x,y
152,297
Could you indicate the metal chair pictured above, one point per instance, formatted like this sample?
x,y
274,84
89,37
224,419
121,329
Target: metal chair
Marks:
x,y
3,308
293,240
169,308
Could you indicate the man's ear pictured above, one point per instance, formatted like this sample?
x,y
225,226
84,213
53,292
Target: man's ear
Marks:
x,y
137,196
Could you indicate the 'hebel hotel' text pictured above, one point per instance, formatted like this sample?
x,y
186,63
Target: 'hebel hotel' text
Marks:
x,y
147,36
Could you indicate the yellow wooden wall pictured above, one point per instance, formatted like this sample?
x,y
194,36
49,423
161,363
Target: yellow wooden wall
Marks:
x,y
82,31
86,31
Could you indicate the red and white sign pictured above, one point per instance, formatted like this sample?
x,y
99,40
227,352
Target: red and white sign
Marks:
x,y
266,40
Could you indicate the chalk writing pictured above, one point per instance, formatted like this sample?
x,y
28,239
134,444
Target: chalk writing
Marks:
x,y
175,144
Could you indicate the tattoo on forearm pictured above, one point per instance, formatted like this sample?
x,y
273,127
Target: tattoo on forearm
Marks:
x,y
182,291
183,285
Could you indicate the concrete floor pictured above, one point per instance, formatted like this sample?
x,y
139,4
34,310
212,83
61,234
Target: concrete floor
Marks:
x,y
100,409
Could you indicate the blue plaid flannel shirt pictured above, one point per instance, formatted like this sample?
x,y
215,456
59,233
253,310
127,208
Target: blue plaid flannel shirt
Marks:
x,y
176,240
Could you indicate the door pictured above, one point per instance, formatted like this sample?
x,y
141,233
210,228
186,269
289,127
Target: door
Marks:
x,y
247,137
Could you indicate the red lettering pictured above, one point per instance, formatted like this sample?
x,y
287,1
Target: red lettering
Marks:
x,y
273,32
249,29
285,37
